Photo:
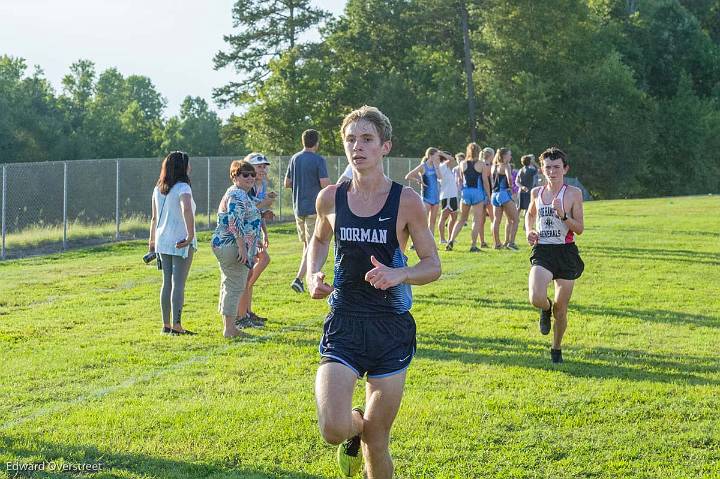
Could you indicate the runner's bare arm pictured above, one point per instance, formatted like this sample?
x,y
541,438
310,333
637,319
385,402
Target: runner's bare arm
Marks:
x,y
458,172
575,215
320,243
508,175
416,173
486,182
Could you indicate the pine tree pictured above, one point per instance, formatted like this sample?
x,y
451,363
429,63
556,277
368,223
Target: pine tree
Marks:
x,y
267,29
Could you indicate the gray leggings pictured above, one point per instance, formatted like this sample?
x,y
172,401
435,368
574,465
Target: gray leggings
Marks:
x,y
175,271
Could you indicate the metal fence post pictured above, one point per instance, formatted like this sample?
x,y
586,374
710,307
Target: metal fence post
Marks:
x,y
65,205
4,184
208,192
337,167
408,169
117,199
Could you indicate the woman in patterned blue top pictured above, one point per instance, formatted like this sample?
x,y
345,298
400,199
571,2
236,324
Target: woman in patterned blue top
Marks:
x,y
235,242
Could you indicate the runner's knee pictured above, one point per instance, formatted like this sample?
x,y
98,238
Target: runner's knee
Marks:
x,y
538,298
334,432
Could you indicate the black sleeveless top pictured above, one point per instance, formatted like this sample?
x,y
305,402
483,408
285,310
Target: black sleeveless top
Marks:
x,y
356,239
470,175
499,181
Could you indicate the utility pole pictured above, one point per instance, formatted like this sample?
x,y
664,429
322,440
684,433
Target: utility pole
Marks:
x,y
469,67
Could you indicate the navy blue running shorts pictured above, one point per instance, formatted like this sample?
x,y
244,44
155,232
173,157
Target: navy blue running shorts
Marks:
x,y
378,344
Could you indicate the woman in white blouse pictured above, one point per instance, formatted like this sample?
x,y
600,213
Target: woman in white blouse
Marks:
x,y
172,236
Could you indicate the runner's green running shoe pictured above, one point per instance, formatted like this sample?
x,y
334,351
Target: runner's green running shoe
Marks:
x,y
349,455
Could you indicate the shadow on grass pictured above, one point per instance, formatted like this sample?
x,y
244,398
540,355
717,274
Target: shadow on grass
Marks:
x,y
654,254
120,464
650,315
602,363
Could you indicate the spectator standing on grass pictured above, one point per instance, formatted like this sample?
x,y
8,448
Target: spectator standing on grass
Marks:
x,y
448,195
235,242
263,201
475,190
487,159
525,181
306,175
172,236
426,174
502,199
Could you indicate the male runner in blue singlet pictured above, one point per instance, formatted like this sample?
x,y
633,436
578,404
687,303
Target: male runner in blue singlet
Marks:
x,y
558,209
369,330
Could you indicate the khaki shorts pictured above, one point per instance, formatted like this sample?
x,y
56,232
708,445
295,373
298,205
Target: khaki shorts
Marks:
x,y
305,227
233,278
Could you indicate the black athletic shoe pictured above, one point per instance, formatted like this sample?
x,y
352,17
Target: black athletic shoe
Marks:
x,y
556,355
546,319
474,249
297,285
449,246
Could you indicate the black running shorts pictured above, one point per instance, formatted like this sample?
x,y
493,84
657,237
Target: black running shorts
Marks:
x,y
449,204
378,345
562,260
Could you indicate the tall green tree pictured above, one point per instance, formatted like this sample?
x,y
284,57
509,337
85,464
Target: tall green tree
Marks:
x,y
266,30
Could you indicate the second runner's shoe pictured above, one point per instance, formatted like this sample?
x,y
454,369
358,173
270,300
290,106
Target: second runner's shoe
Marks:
x,y
545,319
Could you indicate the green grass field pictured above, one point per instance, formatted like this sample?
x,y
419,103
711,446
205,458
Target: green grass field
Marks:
x,y
87,377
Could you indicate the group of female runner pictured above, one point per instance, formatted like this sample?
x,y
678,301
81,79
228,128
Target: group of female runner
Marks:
x,y
483,180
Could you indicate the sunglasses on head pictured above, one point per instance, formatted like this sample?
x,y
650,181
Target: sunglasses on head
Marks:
x,y
182,154
247,174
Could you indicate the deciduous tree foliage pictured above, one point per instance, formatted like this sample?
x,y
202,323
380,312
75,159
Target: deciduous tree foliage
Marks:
x,y
628,88
98,116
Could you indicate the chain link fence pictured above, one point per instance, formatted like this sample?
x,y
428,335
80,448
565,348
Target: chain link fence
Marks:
x,y
52,206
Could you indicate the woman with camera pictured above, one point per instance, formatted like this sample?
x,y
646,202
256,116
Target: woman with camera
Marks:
x,y
172,236
235,242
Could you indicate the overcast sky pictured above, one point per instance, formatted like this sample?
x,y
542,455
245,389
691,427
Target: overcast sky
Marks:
x,y
170,41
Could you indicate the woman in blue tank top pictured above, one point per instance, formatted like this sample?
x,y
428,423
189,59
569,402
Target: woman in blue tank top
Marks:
x,y
426,175
476,188
502,199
